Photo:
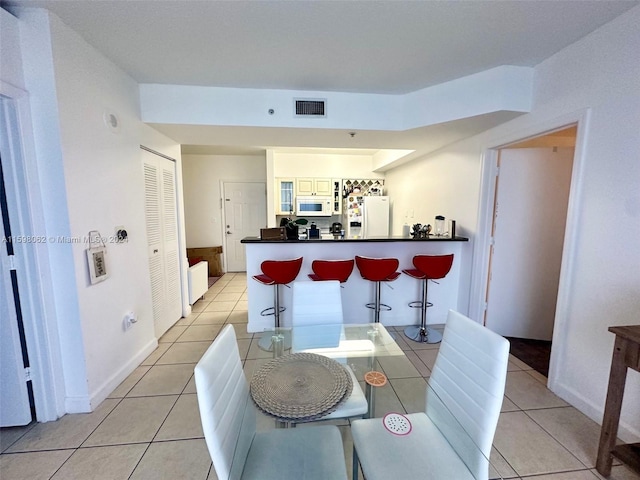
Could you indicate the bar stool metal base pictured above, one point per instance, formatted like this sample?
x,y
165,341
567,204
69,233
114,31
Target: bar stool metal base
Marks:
x,y
383,307
266,344
422,335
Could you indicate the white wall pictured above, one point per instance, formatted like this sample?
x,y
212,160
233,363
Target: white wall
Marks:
x,y
104,184
91,180
327,165
601,74
442,184
11,54
202,176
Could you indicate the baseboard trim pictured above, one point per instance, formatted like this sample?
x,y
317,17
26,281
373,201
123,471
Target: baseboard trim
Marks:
x,y
81,404
595,412
98,396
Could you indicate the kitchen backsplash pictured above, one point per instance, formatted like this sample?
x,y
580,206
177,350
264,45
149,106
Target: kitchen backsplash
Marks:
x,y
323,223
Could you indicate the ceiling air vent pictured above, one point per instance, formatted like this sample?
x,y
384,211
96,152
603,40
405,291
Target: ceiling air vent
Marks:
x,y
310,108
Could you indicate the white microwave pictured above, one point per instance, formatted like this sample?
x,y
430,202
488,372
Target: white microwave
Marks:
x,y
314,206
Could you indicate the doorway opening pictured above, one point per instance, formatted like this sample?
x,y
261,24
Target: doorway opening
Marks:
x,y
530,205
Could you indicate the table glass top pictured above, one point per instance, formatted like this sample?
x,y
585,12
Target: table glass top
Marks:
x,y
341,340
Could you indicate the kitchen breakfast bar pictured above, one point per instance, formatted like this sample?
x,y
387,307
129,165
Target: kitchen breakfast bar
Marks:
x,y
357,291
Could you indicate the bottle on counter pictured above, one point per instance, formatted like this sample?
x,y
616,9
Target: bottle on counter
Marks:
x,y
439,226
313,231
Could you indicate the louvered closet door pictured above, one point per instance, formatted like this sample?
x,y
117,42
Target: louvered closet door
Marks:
x,y
162,237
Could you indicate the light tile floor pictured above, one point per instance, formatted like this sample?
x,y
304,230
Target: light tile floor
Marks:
x,y
149,427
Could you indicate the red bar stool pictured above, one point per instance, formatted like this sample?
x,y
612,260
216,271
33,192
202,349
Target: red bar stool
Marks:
x,y
378,270
331,270
428,267
276,272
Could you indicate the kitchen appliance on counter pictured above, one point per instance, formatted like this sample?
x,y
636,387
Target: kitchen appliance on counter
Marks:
x,y
314,206
439,229
366,216
376,190
335,228
313,231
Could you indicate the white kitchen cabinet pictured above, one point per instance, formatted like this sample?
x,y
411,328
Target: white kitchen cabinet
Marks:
x,y
285,195
314,186
305,186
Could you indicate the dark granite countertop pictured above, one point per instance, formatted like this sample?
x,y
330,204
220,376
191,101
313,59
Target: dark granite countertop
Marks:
x,y
431,238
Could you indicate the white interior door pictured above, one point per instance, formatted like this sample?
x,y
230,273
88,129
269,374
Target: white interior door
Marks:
x,y
162,236
245,213
529,223
14,396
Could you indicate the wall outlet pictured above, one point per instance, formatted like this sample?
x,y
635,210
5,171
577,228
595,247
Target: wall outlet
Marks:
x,y
129,320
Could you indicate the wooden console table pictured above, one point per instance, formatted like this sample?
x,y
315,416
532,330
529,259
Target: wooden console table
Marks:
x,y
626,354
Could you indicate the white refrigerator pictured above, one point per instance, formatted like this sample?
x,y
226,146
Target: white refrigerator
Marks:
x,y
366,216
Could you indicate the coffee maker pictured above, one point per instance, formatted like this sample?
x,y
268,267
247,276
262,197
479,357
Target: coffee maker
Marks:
x,y
336,228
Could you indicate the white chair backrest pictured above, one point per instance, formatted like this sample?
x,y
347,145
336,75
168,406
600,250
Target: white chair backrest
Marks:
x,y
228,421
469,377
316,303
317,312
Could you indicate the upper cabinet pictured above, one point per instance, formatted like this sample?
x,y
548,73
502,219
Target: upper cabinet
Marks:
x,y
288,188
314,186
285,196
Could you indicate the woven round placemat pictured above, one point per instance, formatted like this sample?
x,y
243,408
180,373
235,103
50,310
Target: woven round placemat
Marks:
x,y
301,386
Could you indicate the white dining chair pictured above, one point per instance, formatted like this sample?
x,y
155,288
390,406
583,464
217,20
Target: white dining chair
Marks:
x,y
229,423
317,306
452,439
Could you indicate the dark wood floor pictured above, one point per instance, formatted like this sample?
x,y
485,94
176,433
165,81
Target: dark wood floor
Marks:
x,y
534,353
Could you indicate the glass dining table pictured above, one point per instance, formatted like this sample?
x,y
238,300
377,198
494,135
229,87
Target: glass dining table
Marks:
x,y
360,346
368,348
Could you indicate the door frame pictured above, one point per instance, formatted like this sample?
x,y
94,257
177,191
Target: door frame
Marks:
x,y
37,302
480,266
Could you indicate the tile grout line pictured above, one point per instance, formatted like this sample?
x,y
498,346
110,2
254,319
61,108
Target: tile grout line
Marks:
x,y
554,437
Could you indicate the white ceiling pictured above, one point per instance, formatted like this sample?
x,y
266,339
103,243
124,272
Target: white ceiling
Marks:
x,y
389,47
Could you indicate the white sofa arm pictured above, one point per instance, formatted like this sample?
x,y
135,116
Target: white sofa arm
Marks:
x,y
198,278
